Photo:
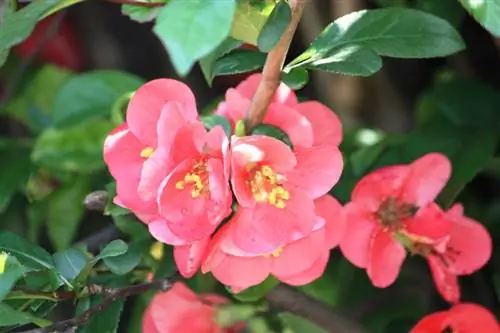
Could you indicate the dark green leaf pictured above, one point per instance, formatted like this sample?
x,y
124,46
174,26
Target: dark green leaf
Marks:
x,y
125,263
113,249
141,14
130,225
28,254
91,95
486,12
239,61
298,324
167,265
207,63
14,171
111,208
296,78
217,120
190,33
65,212
392,32
11,317
36,214
274,27
70,263
11,270
60,5
78,149
352,60
272,131
450,10
18,26
258,292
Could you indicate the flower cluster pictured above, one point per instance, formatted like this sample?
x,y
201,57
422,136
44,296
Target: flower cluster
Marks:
x,y
180,179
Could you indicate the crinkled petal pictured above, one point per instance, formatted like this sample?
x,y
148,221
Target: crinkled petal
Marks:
x,y
330,209
430,222
318,169
188,257
294,124
312,273
326,125
144,109
446,282
386,259
360,229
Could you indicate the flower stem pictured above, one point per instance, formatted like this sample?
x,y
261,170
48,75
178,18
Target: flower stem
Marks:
x,y
271,74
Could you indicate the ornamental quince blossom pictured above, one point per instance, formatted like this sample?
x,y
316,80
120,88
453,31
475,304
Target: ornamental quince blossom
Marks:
x,y
461,318
314,130
298,262
391,207
467,249
179,310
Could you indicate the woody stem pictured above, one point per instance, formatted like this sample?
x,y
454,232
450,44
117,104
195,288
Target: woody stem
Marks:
x,y
271,73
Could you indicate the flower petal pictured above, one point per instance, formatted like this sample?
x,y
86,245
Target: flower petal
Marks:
x,y
188,257
312,273
446,282
160,230
326,125
148,325
434,323
283,95
170,121
386,259
330,209
144,109
430,222
468,318
295,125
155,169
122,154
242,272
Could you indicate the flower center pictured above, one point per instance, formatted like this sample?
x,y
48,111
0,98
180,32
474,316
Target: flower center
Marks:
x,y
393,214
197,179
265,186
146,152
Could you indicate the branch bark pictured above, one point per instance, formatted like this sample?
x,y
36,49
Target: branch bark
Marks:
x,y
271,73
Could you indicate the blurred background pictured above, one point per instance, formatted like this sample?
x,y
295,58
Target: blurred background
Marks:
x,y
46,172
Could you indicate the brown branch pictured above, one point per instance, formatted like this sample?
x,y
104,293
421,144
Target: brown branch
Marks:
x,y
138,3
271,73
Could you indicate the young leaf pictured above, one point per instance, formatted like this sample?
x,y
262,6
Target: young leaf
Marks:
x,y
29,255
113,249
66,211
217,120
392,32
190,32
275,26
70,263
486,12
249,19
239,61
91,95
207,63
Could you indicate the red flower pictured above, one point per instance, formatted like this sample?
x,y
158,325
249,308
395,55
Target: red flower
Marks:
x,y
461,318
297,262
466,250
179,310
390,207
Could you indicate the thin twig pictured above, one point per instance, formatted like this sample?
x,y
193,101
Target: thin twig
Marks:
x,y
138,3
271,73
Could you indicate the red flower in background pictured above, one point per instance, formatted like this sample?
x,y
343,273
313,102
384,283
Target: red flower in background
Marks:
x,y
391,206
461,318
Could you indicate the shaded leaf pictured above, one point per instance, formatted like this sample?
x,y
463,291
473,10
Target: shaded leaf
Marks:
x,y
258,292
239,61
29,255
113,249
125,263
450,10
274,27
217,120
296,78
70,263
11,317
141,14
486,12
11,270
207,63
272,131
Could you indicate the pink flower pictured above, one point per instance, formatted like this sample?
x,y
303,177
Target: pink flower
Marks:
x,y
461,318
314,130
155,112
179,310
467,249
391,207
298,262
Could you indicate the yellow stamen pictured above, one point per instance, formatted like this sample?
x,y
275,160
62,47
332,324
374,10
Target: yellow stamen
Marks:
x,y
265,187
275,254
197,177
146,152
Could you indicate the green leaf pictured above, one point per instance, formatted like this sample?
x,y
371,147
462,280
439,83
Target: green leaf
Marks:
x,y
113,249
239,61
141,14
392,32
352,60
207,63
61,4
70,263
111,208
167,266
299,325
275,26
486,12
78,149
15,170
130,225
29,255
11,270
125,263
296,78
450,10
18,26
65,212
257,292
91,95
191,32
11,317
272,131
249,20
217,120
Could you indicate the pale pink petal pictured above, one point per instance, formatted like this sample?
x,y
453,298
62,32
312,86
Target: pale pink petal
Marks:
x,y
318,169
188,257
122,154
295,125
144,109
386,258
221,197
194,228
430,222
242,272
312,273
428,176
446,282
188,143
171,120
332,211
326,126
235,106
126,192
154,171
360,229
216,142
160,231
